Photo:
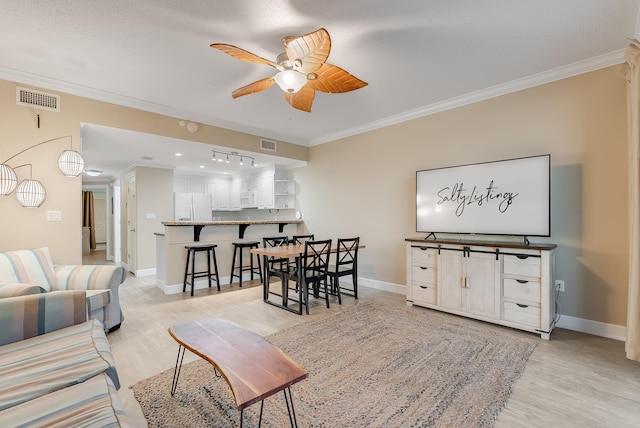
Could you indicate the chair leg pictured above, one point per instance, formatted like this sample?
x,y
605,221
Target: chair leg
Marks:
x,y
209,267
193,272
326,291
215,267
233,264
355,284
186,272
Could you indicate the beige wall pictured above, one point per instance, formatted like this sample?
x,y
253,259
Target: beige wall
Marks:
x,y
28,228
365,185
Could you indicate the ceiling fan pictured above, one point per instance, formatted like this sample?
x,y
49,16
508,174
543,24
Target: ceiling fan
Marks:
x,y
302,70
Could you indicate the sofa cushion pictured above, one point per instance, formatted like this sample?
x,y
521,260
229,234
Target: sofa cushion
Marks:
x,y
29,267
38,366
93,403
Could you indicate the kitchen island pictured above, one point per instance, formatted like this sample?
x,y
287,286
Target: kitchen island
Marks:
x,y
171,256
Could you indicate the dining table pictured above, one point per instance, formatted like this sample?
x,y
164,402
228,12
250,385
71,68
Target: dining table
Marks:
x,y
291,252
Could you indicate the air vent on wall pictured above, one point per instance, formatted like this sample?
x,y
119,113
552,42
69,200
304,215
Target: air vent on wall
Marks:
x,y
37,99
267,145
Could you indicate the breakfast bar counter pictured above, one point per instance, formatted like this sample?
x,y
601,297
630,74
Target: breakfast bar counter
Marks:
x,y
171,255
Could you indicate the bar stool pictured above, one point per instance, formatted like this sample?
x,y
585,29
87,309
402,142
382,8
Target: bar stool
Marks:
x,y
192,250
238,248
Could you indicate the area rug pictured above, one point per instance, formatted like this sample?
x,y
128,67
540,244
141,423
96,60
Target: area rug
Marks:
x,y
369,366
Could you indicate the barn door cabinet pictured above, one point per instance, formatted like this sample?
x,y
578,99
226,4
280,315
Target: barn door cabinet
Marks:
x,y
506,284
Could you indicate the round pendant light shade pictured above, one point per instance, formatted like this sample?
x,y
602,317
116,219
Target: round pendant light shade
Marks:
x,y
31,193
290,81
71,163
8,179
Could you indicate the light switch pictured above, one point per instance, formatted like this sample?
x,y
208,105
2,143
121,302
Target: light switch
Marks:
x,y
54,216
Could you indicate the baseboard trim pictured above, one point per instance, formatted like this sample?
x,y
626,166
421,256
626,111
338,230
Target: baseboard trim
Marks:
x,y
610,331
145,272
597,328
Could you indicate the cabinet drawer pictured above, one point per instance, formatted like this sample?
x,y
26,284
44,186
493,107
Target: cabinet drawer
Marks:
x,y
529,266
423,274
423,256
424,294
522,314
522,290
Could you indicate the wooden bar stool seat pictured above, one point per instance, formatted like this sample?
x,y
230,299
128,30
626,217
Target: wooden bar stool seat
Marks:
x,y
192,250
238,248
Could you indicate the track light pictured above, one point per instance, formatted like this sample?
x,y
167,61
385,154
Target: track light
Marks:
x,y
227,156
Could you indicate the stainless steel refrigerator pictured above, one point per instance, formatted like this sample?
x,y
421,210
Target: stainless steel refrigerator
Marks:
x,y
192,206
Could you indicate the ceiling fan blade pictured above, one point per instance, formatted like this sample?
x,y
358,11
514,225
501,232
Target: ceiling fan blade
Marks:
x,y
333,79
254,87
312,49
302,100
243,55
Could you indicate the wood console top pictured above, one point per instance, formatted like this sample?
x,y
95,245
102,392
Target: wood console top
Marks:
x,y
481,243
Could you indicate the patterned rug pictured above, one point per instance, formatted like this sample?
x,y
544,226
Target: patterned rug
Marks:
x,y
369,366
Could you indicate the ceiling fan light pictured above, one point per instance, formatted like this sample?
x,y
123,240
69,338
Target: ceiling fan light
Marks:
x,y
8,179
290,81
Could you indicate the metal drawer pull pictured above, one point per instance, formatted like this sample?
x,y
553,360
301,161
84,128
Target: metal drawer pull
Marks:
x,y
423,268
423,287
522,306
522,281
522,256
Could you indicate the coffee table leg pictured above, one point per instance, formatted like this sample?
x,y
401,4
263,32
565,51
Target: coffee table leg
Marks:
x,y
292,413
176,372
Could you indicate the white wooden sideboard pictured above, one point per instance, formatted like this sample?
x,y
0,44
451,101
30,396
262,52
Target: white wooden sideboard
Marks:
x,y
503,283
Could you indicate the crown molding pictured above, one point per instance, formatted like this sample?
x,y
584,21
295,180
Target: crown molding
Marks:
x,y
549,76
581,67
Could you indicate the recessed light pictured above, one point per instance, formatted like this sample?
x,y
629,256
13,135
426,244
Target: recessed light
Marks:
x,y
201,166
178,154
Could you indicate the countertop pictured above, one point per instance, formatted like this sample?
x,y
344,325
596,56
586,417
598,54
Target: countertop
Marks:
x,y
484,243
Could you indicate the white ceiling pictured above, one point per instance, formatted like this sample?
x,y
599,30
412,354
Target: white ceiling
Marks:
x,y
418,56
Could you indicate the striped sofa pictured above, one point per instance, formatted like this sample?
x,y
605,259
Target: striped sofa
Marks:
x,y
56,366
25,272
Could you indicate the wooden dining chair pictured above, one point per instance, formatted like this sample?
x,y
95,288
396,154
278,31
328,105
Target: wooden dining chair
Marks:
x,y
301,239
346,263
313,270
276,266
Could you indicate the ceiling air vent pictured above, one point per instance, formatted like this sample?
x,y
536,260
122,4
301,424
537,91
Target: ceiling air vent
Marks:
x,y
268,145
37,99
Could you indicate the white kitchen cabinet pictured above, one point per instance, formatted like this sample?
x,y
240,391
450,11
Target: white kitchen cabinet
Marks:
x,y
218,188
265,191
234,194
507,284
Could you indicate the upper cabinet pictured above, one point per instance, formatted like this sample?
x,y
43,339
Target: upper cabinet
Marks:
x,y
266,188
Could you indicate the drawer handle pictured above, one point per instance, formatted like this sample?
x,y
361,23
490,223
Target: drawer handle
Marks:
x,y
522,306
423,248
522,256
522,281
423,287
423,268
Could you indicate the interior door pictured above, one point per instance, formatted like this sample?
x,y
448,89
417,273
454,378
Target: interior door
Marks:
x,y
131,223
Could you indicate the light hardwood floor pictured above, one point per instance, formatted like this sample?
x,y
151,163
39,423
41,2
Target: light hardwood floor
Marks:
x,y
573,380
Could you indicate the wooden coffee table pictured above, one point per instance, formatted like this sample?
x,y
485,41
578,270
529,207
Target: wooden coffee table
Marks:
x,y
253,368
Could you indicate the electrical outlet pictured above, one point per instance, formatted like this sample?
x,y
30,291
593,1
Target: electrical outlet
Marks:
x,y
559,285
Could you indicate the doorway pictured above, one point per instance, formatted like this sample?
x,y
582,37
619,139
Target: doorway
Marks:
x,y
98,224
